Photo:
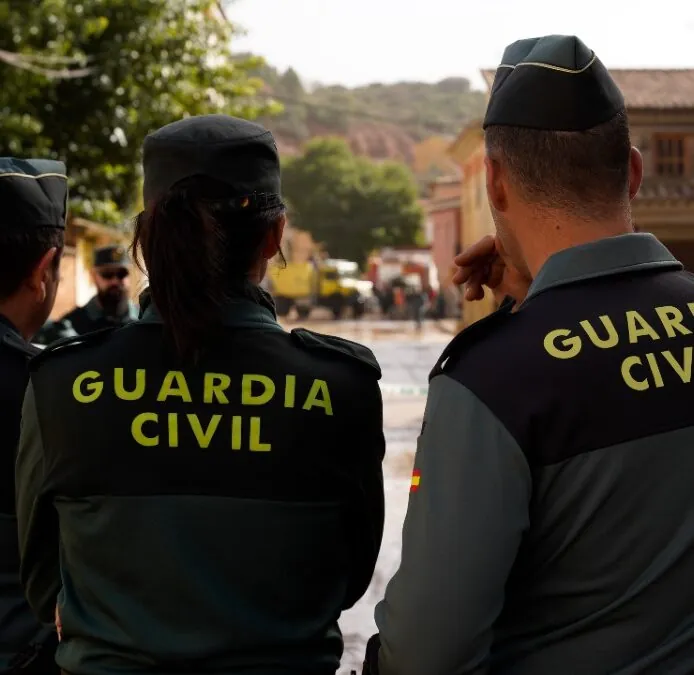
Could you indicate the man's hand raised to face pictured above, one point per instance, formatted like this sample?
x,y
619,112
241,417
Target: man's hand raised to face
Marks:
x,y
485,263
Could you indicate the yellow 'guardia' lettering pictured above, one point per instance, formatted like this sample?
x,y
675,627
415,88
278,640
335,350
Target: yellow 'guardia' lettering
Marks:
x,y
571,345
90,392
174,384
119,385
638,327
563,343
312,400
255,389
247,396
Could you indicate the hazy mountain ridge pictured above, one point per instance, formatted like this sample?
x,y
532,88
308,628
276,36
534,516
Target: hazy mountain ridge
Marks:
x,y
381,121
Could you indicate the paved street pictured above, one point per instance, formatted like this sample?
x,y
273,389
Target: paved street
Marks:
x,y
406,359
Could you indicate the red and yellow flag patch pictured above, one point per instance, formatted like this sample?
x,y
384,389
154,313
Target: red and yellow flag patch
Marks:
x,y
416,479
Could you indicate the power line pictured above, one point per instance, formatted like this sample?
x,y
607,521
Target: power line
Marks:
x,y
24,62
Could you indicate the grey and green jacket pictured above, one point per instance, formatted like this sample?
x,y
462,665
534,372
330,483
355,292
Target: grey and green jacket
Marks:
x,y
211,517
550,528
20,631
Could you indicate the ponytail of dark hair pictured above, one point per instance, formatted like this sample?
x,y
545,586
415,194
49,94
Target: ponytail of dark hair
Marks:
x,y
197,250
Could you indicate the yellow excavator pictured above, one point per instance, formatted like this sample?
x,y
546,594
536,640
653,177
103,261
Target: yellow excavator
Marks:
x,y
331,283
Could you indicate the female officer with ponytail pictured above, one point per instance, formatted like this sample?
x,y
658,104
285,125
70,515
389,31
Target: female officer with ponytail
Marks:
x,y
201,491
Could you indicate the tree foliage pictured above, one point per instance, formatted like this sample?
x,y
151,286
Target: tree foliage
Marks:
x,y
149,62
348,203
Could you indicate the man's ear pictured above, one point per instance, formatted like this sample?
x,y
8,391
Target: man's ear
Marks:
x,y
41,274
635,172
274,238
496,186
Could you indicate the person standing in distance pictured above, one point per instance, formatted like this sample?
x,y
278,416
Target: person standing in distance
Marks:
x,y
233,505
33,200
110,306
551,524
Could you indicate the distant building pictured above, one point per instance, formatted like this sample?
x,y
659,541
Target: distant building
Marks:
x,y
660,104
445,218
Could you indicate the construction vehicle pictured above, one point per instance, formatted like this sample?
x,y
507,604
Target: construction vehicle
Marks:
x,y
330,283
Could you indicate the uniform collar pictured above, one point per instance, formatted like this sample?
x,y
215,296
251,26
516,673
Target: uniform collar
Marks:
x,y
625,253
95,311
5,323
237,313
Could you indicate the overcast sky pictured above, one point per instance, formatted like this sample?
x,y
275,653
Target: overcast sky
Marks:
x,y
355,42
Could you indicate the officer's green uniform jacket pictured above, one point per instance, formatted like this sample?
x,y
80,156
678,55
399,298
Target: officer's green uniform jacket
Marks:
x,y
550,529
19,628
215,518
80,320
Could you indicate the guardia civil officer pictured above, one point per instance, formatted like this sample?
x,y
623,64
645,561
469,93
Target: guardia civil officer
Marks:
x,y
33,196
551,524
110,306
214,481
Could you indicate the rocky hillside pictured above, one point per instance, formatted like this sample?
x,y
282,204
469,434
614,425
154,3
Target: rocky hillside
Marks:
x,y
408,121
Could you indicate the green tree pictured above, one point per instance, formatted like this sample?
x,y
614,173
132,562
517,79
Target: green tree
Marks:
x,y
144,63
348,203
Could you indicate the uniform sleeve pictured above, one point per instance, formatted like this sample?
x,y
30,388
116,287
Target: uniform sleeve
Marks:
x,y
37,519
464,524
368,506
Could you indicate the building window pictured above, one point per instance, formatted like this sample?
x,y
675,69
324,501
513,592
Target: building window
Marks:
x,y
670,157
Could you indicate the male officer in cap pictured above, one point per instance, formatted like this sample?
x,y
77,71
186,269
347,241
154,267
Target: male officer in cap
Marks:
x,y
551,520
111,306
33,198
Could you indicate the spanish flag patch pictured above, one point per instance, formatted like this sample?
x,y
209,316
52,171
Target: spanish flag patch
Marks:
x,y
416,478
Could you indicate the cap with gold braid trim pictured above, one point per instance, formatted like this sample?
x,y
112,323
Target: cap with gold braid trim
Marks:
x,y
33,193
552,83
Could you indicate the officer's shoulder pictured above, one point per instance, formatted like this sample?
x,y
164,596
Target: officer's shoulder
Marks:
x,y
17,345
334,347
471,349
70,345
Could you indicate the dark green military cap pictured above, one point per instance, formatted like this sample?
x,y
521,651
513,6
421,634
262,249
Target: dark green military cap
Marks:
x,y
33,193
554,83
111,255
234,151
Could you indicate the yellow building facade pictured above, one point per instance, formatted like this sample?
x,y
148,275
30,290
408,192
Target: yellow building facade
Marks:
x,y
476,222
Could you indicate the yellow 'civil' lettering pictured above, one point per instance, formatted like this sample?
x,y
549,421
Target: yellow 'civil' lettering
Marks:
x,y
637,327
174,377
119,385
173,430
254,444
90,392
671,318
612,338
655,370
215,386
685,370
312,400
247,397
236,432
629,379
203,437
137,432
571,345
